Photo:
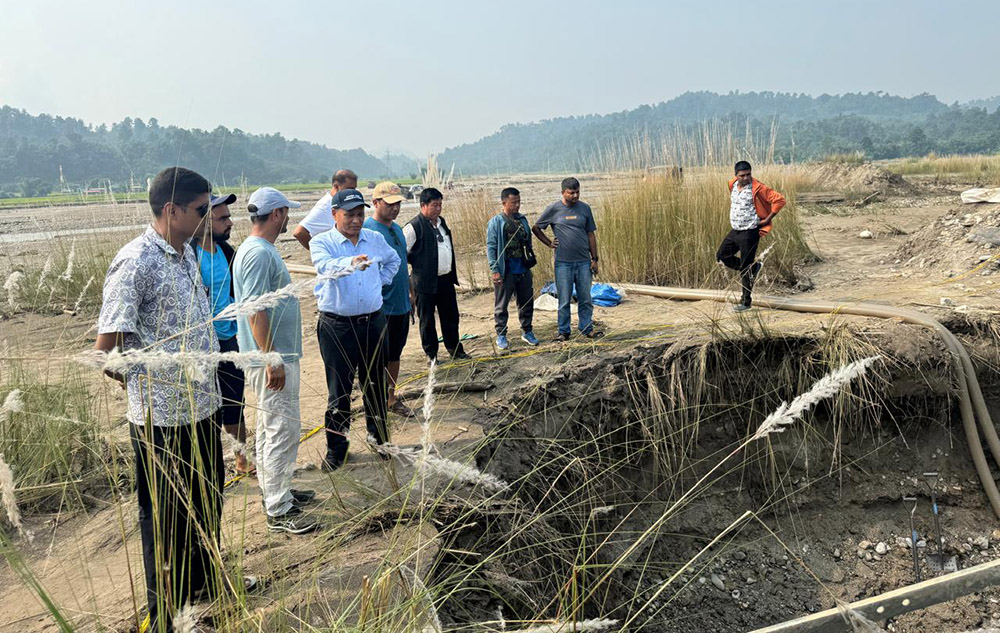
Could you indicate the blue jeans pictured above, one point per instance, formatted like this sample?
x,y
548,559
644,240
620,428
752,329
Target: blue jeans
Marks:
x,y
569,274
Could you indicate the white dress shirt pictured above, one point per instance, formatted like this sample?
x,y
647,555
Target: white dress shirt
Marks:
x,y
361,291
444,246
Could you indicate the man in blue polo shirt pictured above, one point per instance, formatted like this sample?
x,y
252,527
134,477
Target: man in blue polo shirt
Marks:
x,y
351,321
386,202
215,257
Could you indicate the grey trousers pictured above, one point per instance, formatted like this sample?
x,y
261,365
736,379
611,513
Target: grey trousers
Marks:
x,y
518,286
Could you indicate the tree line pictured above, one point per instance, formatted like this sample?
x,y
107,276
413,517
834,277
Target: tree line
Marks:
x,y
34,148
704,127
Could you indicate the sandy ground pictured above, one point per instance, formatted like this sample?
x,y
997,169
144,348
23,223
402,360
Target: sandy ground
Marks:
x,y
90,562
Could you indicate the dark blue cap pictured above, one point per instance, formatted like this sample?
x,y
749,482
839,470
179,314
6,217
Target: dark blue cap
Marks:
x,y
217,200
348,199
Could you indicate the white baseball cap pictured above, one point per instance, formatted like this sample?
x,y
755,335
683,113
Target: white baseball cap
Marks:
x,y
267,199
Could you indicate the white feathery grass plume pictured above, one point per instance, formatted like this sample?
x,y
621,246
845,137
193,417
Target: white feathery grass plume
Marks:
x,y
428,408
186,620
13,287
763,256
600,624
434,625
824,388
198,365
7,494
70,262
46,270
427,463
13,403
237,447
267,300
501,622
83,294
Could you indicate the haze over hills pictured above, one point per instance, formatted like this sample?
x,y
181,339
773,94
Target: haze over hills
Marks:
x,y
699,127
693,128
32,149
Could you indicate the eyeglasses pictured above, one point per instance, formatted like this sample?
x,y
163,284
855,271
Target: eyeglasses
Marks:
x,y
440,238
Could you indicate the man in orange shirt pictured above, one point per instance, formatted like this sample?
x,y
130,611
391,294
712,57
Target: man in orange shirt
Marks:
x,y
752,208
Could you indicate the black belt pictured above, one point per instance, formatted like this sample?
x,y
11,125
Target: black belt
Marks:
x,y
360,318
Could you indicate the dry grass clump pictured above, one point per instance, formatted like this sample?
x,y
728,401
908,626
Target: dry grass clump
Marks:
x,y
53,442
665,232
71,279
980,169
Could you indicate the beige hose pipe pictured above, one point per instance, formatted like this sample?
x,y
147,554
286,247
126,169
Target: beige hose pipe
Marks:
x,y
971,402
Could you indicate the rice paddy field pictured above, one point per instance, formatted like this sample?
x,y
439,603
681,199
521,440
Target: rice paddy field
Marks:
x,y
636,483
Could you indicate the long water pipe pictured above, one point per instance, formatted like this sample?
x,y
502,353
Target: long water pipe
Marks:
x,y
971,402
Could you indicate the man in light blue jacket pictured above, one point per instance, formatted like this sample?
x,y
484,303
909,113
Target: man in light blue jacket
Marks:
x,y
509,252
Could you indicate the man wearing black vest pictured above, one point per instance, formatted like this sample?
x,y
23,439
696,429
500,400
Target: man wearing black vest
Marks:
x,y
431,253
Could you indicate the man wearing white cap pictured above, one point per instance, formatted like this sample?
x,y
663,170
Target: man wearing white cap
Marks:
x,y
259,269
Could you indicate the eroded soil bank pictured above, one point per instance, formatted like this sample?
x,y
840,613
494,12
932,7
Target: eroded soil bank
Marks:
x,y
602,452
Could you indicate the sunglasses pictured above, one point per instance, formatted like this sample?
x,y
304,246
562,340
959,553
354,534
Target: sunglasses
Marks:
x,y
202,210
440,238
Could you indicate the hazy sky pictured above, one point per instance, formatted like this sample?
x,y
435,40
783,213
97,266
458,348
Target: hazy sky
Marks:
x,y
422,76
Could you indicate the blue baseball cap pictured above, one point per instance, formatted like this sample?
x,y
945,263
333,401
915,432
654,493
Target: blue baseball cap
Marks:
x,y
348,199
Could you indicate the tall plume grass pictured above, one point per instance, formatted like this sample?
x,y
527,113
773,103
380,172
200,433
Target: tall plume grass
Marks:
x,y
663,231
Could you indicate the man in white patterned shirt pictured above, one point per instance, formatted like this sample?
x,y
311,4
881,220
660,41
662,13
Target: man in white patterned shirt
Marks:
x,y
752,207
154,300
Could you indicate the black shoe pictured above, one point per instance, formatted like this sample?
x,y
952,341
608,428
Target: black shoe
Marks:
x,y
302,497
562,338
461,355
292,522
593,334
333,461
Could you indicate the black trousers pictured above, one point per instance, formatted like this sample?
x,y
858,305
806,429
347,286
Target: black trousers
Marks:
x,y
231,385
349,346
511,286
446,303
179,483
744,242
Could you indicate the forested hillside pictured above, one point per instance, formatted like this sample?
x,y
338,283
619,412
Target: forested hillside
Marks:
x,y
704,127
32,149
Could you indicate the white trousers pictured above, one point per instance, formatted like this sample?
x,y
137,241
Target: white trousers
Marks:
x,y
278,427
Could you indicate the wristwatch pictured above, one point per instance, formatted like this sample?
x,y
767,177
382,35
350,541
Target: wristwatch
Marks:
x,y
593,259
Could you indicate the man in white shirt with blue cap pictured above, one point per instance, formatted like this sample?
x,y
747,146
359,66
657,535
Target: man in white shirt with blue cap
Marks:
x,y
351,321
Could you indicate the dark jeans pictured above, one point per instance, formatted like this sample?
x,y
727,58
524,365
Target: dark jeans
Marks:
x,y
179,484
521,287
349,346
446,303
744,242
231,385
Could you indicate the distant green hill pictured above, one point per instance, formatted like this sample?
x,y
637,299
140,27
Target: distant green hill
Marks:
x,y
32,149
702,127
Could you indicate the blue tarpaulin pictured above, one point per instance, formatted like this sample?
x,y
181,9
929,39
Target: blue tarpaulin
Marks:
x,y
603,294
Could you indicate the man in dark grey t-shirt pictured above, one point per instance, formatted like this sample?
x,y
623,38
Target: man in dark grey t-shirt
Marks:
x,y
575,244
